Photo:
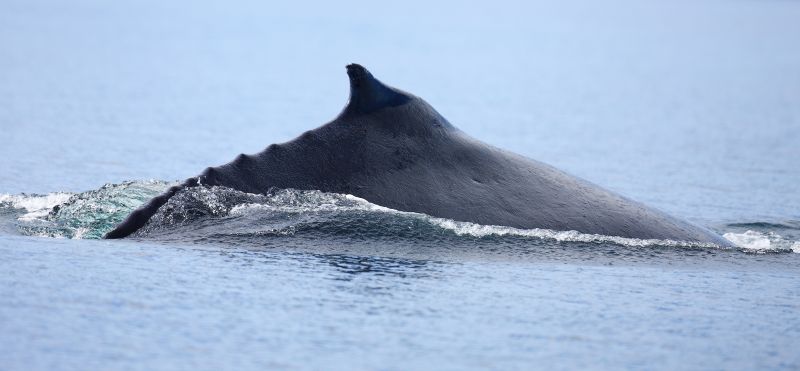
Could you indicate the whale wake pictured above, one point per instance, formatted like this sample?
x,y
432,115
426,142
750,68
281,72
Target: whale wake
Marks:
x,y
227,216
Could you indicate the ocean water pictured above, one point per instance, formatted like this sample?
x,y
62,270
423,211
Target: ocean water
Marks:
x,y
690,107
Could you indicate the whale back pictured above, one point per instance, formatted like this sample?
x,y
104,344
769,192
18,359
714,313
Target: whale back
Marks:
x,y
395,150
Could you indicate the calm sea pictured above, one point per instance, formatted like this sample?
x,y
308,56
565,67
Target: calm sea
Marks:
x,y
690,107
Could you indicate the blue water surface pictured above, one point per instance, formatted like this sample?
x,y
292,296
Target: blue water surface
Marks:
x,y
690,107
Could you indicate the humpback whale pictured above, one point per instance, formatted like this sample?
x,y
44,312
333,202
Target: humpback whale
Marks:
x,y
393,149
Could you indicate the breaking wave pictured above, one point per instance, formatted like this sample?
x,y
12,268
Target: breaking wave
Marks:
x,y
78,215
225,215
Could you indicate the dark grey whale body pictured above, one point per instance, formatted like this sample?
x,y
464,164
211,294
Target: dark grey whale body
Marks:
x,y
393,149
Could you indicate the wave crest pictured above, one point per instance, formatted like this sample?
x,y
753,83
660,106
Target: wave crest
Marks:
x,y
79,215
762,242
224,215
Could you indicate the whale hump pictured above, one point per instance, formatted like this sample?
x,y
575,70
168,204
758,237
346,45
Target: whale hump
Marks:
x,y
368,94
402,154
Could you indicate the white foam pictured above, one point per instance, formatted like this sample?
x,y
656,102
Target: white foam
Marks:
x,y
37,206
80,233
370,206
479,230
319,201
286,201
754,241
750,240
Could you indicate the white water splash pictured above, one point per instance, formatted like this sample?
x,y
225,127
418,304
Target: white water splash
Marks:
x,y
296,201
292,201
301,201
478,230
78,215
37,206
759,242
80,233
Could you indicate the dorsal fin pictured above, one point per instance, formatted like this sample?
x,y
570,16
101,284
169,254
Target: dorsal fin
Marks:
x,y
367,94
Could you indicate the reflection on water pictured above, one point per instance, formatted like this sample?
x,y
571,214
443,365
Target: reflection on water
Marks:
x,y
379,266
102,304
